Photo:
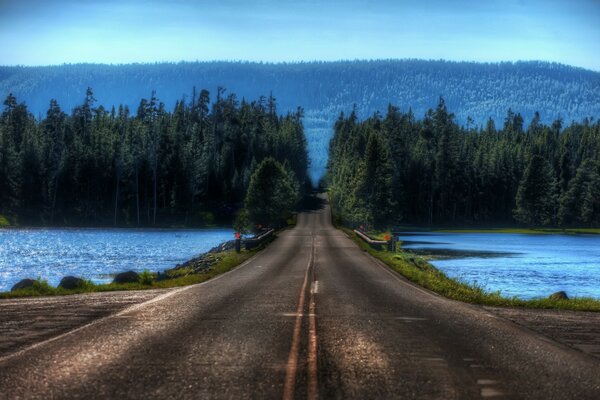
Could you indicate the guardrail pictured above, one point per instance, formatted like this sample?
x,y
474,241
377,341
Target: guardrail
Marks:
x,y
376,244
258,240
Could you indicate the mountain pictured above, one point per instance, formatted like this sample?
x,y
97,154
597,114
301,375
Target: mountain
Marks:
x,y
324,89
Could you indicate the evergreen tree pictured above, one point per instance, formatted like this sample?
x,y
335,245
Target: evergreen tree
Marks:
x,y
445,173
373,191
536,194
13,121
271,195
102,167
580,204
54,130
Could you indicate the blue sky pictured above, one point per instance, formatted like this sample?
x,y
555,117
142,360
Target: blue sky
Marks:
x,y
36,32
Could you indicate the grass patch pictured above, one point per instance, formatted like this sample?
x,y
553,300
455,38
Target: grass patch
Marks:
x,y
418,270
4,222
527,231
175,278
146,278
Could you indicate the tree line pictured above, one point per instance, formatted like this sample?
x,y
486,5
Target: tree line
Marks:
x,y
389,169
324,89
98,166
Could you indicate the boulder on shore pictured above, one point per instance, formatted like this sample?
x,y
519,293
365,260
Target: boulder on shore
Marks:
x,y
201,263
23,284
127,277
71,282
225,246
559,296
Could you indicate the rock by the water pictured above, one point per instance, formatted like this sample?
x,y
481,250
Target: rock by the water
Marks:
x,y
203,262
127,277
559,296
23,284
225,246
71,282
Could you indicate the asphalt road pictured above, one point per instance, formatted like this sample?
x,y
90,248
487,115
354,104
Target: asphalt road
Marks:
x,y
312,316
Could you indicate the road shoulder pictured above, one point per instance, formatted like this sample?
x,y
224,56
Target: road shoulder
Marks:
x,y
578,330
27,321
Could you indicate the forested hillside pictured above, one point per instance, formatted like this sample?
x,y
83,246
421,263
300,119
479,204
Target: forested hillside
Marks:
x,y
144,167
324,89
397,168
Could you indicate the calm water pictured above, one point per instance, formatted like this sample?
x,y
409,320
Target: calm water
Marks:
x,y
97,253
526,266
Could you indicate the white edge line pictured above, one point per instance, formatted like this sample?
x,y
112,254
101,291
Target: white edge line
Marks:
x,y
124,311
400,277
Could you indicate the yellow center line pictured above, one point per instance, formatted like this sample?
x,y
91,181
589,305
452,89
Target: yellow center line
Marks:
x,y
292,363
313,390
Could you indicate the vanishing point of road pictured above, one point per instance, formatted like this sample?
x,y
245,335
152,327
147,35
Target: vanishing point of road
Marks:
x,y
312,316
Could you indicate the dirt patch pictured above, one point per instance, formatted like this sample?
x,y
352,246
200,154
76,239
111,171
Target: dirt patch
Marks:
x,y
576,329
27,321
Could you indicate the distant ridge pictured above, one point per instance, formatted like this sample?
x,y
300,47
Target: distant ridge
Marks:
x,y
324,89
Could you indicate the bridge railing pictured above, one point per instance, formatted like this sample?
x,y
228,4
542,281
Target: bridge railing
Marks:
x,y
258,240
376,244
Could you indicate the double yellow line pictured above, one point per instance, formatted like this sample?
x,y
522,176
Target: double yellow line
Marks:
x,y
292,363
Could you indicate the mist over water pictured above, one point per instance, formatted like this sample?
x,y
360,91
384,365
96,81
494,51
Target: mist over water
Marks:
x,y
526,266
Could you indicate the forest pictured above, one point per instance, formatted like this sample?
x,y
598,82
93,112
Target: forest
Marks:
x,y
394,168
151,167
474,91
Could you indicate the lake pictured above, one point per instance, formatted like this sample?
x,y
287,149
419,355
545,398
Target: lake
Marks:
x,y
95,254
526,266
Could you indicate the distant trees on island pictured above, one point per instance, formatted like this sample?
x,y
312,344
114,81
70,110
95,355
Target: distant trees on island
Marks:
x,y
96,166
393,168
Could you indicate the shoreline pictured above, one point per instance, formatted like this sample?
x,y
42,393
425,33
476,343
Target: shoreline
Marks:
x,y
418,269
526,231
116,228
499,230
207,265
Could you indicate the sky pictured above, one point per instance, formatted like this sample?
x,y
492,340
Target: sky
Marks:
x,y
49,32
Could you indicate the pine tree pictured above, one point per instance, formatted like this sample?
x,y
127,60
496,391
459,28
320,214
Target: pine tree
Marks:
x,y
580,204
54,130
271,196
536,194
373,191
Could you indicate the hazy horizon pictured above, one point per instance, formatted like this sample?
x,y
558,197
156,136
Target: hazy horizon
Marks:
x,y
53,32
292,62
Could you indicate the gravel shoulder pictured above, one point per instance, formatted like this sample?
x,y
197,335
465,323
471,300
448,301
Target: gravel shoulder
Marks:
x,y
576,329
27,321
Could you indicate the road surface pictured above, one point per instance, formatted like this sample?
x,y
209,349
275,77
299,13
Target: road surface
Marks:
x,y
312,316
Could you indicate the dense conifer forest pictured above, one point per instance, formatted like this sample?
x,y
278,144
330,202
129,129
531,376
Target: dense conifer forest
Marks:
x,y
473,91
143,167
396,168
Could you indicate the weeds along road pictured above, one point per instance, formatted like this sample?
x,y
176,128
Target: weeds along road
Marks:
x,y
312,316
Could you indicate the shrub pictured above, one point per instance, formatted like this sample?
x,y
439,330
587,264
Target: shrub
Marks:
x,y
146,278
4,222
41,286
206,218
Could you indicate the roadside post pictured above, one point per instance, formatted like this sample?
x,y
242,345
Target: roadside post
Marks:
x,y
238,242
390,242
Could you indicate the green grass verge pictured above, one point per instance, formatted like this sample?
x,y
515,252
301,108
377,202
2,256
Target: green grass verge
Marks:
x,y
4,222
418,270
228,261
531,231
